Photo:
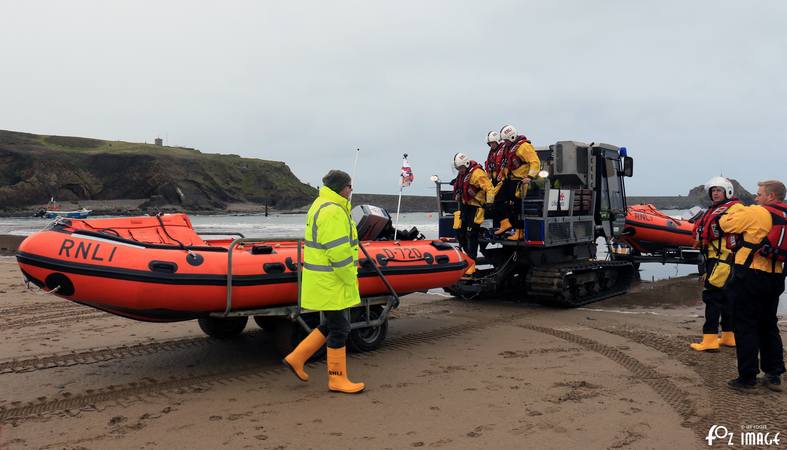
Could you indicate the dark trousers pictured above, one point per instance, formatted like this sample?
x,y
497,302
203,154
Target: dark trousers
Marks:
x,y
505,203
717,306
336,327
755,296
468,234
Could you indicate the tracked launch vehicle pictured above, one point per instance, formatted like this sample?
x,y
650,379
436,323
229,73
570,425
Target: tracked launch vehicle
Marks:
x,y
580,199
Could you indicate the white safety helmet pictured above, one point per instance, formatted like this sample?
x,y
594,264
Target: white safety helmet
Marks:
x,y
508,133
493,136
719,182
461,160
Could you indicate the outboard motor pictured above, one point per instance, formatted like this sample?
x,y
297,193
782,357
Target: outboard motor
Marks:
x,y
370,221
375,224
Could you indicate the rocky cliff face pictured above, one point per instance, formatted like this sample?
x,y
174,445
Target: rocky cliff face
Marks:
x,y
34,168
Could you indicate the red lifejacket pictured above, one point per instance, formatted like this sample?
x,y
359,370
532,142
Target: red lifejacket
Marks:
x,y
774,245
494,162
512,161
462,184
706,228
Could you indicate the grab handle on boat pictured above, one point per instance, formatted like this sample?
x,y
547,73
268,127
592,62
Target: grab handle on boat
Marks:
x,y
163,266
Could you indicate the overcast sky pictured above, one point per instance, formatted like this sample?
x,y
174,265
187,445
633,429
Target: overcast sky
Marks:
x,y
692,88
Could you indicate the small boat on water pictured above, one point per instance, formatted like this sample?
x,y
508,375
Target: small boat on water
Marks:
x,y
649,230
77,214
158,268
53,211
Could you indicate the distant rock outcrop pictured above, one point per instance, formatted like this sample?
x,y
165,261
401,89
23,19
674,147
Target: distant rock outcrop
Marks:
x,y
696,197
698,194
35,168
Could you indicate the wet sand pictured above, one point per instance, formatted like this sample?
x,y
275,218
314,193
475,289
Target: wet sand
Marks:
x,y
452,373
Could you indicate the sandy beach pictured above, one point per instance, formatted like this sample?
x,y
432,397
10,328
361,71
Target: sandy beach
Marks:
x,y
452,373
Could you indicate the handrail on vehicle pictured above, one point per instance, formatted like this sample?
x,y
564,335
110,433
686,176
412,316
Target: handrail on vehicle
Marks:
x,y
235,243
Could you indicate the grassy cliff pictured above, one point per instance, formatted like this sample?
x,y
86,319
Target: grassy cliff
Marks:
x,y
34,168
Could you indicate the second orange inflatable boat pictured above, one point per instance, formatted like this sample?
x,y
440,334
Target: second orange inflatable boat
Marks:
x,y
159,269
649,230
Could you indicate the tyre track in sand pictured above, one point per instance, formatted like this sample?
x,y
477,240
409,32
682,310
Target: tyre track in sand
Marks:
x,y
36,308
98,354
102,354
762,407
147,387
674,396
53,319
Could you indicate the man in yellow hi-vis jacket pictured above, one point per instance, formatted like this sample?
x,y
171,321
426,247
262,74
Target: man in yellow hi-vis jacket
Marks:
x,y
757,283
330,280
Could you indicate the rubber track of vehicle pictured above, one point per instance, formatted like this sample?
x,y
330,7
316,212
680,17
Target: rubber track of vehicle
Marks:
x,y
675,397
135,390
97,355
556,272
730,408
54,318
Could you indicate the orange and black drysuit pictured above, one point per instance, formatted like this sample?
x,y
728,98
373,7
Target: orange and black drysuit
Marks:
x,y
755,287
472,190
718,266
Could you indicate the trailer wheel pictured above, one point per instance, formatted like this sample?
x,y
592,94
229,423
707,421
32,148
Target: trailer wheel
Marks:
x,y
287,335
370,338
223,328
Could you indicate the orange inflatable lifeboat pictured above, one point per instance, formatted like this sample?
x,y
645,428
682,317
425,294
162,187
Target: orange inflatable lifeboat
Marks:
x,y
157,268
649,230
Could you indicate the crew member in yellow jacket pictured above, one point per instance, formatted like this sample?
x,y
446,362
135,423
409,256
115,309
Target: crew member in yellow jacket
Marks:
x,y
521,166
757,283
718,266
330,280
472,189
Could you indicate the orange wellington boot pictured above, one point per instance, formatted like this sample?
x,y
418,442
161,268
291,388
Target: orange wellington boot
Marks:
x,y
337,373
517,236
470,271
303,352
710,343
505,225
727,339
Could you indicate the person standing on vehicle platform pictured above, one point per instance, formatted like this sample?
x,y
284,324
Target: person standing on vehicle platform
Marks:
x,y
472,189
758,233
718,266
521,165
494,170
330,280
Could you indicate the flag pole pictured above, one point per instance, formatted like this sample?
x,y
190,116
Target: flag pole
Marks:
x,y
399,202
355,169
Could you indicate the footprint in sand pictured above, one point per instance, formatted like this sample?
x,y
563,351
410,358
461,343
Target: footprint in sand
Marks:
x,y
117,420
